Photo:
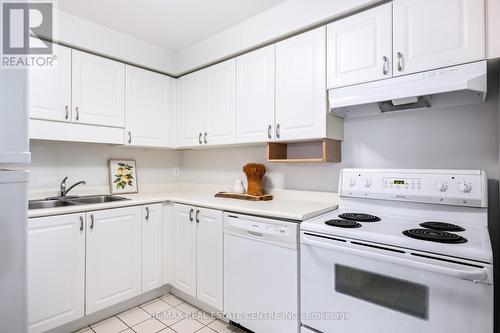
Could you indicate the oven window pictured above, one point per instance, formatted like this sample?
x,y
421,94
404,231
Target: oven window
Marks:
x,y
400,295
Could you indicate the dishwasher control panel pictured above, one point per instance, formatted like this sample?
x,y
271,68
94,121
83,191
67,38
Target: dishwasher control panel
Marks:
x,y
259,227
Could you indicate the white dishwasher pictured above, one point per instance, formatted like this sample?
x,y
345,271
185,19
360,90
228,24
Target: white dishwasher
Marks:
x,y
261,289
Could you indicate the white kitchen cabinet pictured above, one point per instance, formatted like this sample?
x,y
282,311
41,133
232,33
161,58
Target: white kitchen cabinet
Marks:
x,y
152,237
113,260
56,270
185,249
209,257
50,88
430,34
301,110
148,108
190,109
255,85
168,243
98,86
359,47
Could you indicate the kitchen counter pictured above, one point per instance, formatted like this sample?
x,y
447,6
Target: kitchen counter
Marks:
x,y
287,204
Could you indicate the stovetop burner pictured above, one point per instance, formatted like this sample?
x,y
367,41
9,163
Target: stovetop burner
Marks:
x,y
442,226
435,236
343,223
359,217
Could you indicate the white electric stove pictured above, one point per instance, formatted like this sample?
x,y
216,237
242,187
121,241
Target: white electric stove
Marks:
x,y
406,249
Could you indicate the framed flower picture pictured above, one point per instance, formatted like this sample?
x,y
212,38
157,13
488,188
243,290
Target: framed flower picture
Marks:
x,y
122,176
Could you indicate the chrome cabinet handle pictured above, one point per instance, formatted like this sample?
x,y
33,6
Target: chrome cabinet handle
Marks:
x,y
199,138
205,138
66,108
386,65
81,223
129,137
269,128
77,109
400,61
197,216
191,215
278,131
91,221
147,213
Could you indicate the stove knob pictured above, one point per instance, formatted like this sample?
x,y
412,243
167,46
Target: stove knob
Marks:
x,y
465,188
367,182
352,182
442,187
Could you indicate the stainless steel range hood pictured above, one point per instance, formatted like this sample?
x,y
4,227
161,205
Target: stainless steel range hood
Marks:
x,y
457,85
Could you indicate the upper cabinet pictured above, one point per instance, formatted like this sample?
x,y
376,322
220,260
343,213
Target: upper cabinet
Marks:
x,y
430,34
149,108
360,47
255,95
98,90
190,113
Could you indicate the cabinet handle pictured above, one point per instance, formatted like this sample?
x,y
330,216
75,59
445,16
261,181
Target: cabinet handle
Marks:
x,y
197,216
278,131
147,213
400,61
191,215
129,137
77,109
91,221
199,138
205,138
269,128
81,223
386,65
66,108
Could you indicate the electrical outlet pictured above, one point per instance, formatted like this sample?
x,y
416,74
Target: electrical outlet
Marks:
x,y
177,171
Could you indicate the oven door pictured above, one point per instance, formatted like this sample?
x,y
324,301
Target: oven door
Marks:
x,y
356,287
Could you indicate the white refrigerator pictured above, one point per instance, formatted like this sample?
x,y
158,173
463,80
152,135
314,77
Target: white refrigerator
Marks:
x,y
14,162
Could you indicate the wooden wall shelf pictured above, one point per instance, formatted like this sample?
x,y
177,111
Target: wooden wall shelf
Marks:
x,y
319,151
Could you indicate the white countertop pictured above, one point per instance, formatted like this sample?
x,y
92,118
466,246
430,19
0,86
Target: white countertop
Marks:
x,y
287,204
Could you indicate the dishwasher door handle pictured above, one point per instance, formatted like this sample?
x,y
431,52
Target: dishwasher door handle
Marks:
x,y
253,233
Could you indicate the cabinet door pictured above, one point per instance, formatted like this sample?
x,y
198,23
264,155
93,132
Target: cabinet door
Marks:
x,y
360,47
152,247
56,270
209,273
113,257
98,90
429,34
168,243
301,86
148,108
190,109
185,249
255,84
50,88
220,103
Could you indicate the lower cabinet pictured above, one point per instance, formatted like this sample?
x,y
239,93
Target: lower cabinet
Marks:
x,y
198,253
56,270
152,257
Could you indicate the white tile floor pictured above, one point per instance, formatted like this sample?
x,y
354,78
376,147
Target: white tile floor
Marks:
x,y
167,314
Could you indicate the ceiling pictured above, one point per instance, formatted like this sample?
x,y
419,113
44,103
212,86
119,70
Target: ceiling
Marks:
x,y
171,24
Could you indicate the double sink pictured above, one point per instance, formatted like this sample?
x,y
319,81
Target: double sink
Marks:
x,y
55,202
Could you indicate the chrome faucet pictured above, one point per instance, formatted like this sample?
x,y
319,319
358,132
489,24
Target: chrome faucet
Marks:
x,y
64,191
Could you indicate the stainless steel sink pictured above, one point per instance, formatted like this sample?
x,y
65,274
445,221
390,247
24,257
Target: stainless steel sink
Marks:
x,y
72,201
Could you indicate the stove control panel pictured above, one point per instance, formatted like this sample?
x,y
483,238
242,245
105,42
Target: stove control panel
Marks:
x,y
449,187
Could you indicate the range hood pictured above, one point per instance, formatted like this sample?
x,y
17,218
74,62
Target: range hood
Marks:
x,y
457,85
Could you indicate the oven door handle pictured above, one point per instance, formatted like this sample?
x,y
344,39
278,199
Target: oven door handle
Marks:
x,y
473,274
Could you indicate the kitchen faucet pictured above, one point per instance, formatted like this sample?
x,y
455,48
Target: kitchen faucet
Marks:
x,y
64,191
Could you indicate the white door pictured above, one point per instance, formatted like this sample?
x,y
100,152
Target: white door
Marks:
x,y
220,104
152,247
168,243
430,34
301,86
359,47
98,90
148,108
209,257
185,249
56,271
113,257
50,88
255,84
190,109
